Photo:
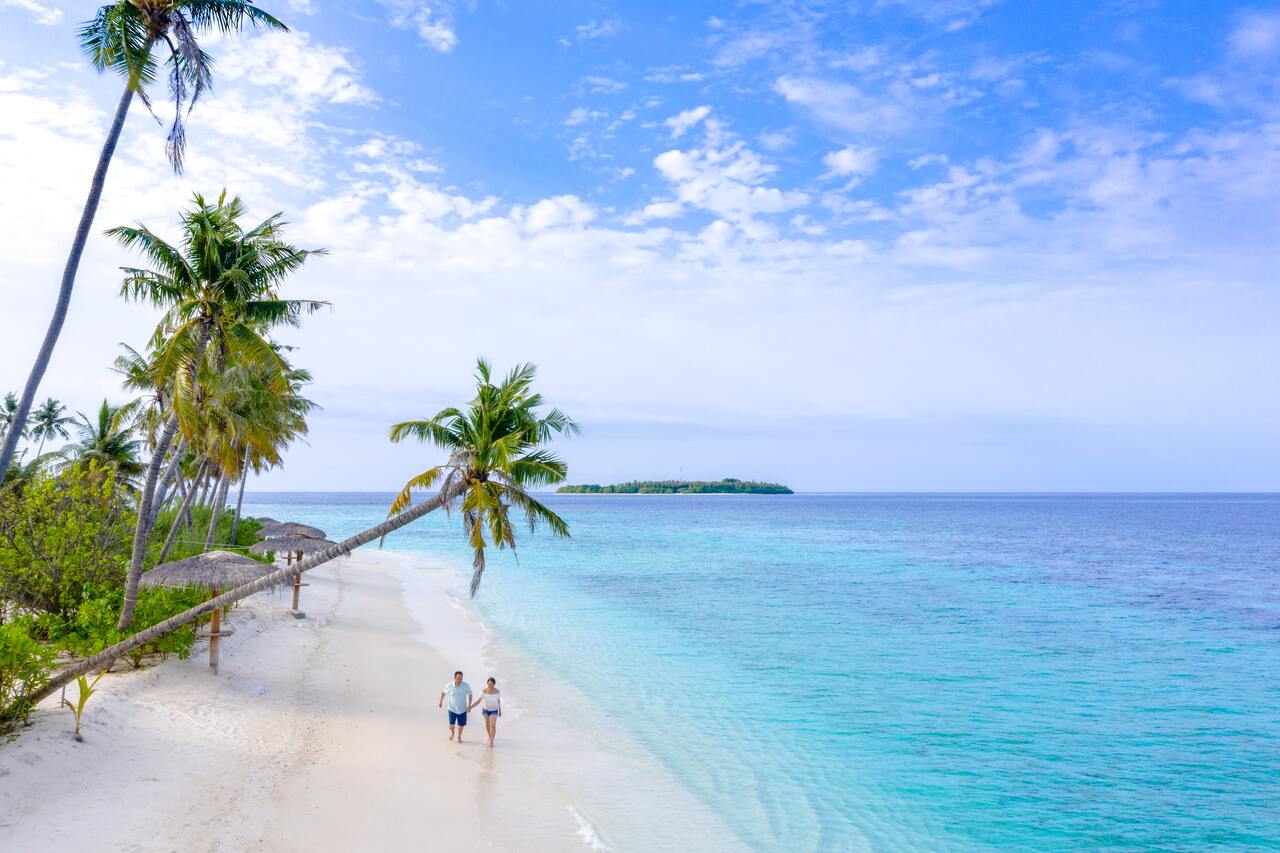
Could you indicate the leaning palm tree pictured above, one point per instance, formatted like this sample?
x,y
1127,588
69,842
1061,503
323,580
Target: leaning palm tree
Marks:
x,y
218,289
502,440
107,441
492,460
125,37
50,421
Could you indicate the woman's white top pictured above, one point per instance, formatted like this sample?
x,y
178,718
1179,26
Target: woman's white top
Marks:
x,y
490,701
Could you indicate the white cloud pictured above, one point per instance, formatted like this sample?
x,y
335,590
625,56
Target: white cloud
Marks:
x,y
306,72
686,119
673,74
776,140
563,211
582,115
952,14
850,161
432,20
844,105
601,29
1256,35
663,210
727,178
928,160
601,85
43,13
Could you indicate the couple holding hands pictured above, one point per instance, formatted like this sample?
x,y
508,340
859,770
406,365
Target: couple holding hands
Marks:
x,y
458,692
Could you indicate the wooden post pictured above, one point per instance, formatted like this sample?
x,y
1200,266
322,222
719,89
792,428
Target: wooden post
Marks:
x,y
215,628
297,588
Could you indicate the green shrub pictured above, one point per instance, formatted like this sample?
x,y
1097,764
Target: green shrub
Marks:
x,y
25,665
190,541
94,626
62,535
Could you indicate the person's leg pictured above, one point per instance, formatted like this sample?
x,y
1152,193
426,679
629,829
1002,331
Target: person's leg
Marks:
x,y
450,732
462,724
492,724
453,718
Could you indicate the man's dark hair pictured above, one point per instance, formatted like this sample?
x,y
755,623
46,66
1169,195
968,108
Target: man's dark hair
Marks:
x,y
459,672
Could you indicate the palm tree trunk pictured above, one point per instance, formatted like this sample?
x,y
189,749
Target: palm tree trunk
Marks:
x,y
182,490
219,503
162,493
143,531
68,283
282,575
197,483
235,519
177,525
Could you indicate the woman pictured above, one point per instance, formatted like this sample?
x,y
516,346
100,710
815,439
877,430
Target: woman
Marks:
x,y
491,700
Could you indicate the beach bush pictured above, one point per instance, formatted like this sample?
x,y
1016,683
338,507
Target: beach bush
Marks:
x,y
62,535
94,625
191,540
25,665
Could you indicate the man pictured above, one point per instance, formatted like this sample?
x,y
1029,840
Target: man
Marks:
x,y
459,694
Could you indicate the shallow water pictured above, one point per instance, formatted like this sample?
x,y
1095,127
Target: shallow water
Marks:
x,y
971,672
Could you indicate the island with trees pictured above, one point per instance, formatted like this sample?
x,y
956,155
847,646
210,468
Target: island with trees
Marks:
x,y
727,486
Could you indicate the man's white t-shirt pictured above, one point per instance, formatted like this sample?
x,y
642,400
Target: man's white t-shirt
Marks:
x,y
458,696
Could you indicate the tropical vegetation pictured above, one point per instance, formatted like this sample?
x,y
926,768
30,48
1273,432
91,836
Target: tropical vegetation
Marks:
x,y
125,37
213,398
497,448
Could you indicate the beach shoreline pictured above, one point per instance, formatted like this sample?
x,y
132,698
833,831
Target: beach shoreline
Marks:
x,y
324,733
321,733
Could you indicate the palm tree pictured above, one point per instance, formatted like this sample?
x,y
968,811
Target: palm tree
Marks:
x,y
123,37
218,289
107,440
9,414
508,435
50,421
493,459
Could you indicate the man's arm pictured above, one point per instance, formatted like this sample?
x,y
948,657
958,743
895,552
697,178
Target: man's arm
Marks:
x,y
440,704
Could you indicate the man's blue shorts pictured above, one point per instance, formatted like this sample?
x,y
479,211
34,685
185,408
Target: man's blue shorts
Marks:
x,y
456,719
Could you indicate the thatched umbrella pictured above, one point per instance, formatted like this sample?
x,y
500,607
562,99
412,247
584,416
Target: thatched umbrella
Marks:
x,y
291,528
266,520
293,547
214,570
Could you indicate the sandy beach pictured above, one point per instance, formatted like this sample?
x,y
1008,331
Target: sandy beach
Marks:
x,y
317,734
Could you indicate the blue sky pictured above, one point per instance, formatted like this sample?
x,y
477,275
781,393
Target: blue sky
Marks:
x,y
888,245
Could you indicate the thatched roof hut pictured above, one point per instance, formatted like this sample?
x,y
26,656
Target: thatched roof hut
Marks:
x,y
213,570
291,545
292,528
216,571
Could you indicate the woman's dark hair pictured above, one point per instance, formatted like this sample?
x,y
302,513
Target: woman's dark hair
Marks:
x,y
493,681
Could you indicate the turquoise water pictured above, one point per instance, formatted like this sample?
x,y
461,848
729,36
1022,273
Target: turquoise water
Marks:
x,y
914,672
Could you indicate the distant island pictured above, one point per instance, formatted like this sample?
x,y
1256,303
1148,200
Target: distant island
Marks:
x,y
727,486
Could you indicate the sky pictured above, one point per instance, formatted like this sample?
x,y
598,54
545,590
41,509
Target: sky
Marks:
x,y
890,245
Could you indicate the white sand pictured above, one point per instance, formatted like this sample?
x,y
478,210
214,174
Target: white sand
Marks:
x,y
317,734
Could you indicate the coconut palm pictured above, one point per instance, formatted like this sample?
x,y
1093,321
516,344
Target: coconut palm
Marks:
x,y
493,459
9,414
106,439
218,289
146,413
499,438
125,37
50,421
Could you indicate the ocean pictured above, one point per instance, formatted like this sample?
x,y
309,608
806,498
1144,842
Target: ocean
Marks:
x,y
909,672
